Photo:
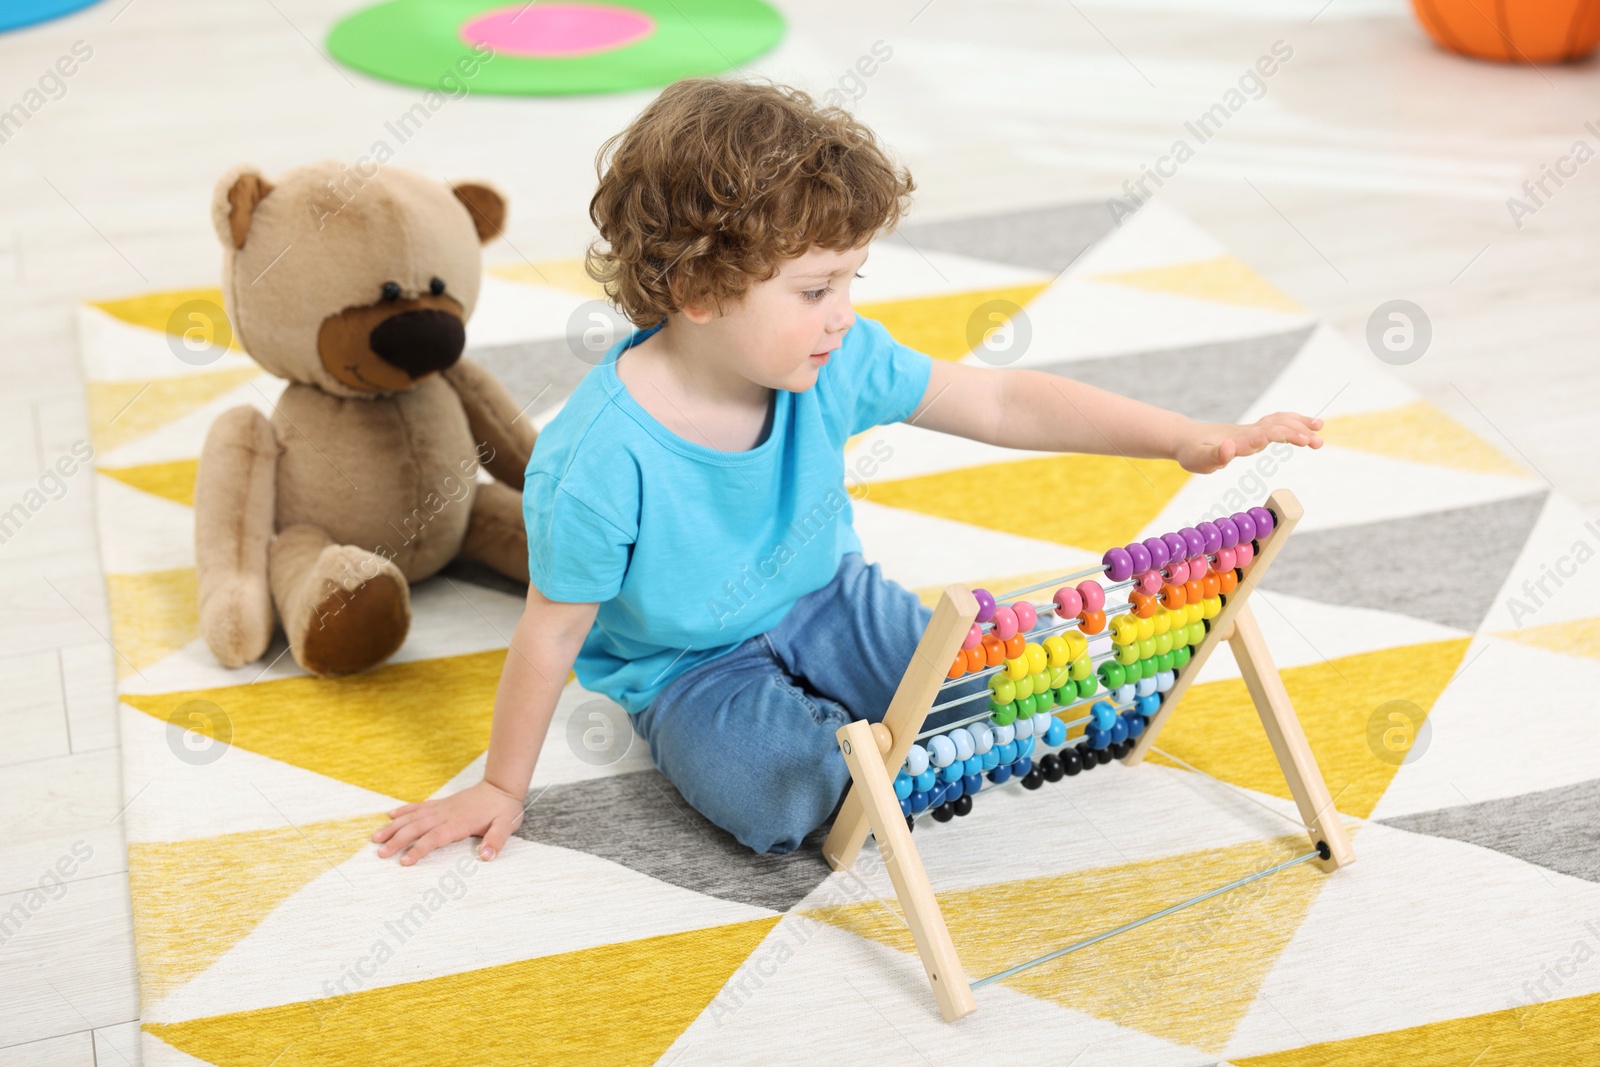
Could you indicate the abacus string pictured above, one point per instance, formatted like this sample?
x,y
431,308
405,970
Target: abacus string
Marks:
x,y
1237,789
1088,573
1125,927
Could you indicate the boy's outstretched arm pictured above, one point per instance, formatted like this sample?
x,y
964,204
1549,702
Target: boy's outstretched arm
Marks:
x,y
542,651
1030,409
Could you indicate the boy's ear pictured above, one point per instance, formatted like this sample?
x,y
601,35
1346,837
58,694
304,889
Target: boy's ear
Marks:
x,y
486,206
233,203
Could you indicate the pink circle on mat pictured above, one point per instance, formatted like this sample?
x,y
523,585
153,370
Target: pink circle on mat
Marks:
x,y
558,31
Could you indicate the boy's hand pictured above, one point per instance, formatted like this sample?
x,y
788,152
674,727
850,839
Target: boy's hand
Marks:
x,y
1212,446
479,811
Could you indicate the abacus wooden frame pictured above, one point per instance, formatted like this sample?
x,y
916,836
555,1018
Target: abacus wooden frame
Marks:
x,y
873,752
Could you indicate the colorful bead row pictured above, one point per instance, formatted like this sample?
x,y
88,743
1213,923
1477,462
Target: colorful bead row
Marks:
x,y
1189,544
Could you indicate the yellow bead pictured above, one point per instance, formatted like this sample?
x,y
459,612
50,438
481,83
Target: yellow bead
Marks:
x,y
1077,645
1060,655
1038,659
1003,689
1147,629
1210,607
1124,630
1193,613
1160,623
1017,668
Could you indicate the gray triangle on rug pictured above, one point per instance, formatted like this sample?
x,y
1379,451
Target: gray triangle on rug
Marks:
x,y
1554,828
1043,238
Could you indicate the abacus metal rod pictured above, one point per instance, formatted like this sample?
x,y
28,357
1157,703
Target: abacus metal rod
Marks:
x,y
1047,631
1086,573
1125,927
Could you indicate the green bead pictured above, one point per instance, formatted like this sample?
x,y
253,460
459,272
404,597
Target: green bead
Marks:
x,y
1180,657
1163,643
1024,686
1044,700
1112,674
1125,654
1082,668
1152,667
1002,714
1041,682
1197,633
1167,660
1067,694
1147,648
1026,706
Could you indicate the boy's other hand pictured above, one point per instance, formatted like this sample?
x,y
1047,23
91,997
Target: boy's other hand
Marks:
x,y
1211,446
479,811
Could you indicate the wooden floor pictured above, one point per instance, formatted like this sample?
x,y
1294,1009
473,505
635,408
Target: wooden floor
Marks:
x,y
1373,168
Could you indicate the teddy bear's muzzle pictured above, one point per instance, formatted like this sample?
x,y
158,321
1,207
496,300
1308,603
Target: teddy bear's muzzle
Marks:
x,y
419,342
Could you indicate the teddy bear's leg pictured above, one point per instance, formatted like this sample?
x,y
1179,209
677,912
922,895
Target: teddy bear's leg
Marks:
x,y
343,608
495,533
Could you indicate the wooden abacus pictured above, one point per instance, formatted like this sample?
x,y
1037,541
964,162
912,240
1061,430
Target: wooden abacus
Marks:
x,y
946,651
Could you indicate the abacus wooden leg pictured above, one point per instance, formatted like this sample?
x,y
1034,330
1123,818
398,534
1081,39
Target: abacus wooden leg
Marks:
x,y
1288,739
952,618
876,792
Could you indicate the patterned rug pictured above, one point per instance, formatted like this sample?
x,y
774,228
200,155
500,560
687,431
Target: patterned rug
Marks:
x,y
1433,577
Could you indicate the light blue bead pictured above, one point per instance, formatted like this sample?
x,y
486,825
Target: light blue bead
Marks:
x,y
1041,723
974,765
991,759
1008,752
1164,680
982,738
916,760
941,750
1122,694
1057,732
952,772
1103,714
1025,747
1023,727
1145,686
925,781
1149,705
963,743
1004,735
902,785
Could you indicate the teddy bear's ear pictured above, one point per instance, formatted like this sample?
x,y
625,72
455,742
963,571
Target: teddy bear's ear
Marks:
x,y
486,206
233,204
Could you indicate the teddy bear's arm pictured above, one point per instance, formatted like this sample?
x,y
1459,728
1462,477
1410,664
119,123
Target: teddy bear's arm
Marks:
x,y
235,500
503,436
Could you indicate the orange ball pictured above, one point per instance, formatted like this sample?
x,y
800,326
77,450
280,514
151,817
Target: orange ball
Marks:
x,y
1144,605
1092,622
958,667
1210,585
994,650
1194,591
975,659
1227,582
1015,644
1174,596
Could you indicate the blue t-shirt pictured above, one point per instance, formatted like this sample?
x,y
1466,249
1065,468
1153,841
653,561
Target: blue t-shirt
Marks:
x,y
689,550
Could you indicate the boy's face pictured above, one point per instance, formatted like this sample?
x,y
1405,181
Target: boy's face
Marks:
x,y
780,334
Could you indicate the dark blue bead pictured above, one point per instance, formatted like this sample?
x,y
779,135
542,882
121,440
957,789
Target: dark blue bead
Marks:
x,y
936,796
954,791
1096,738
1135,723
919,802
998,775
905,806
971,784
1022,766
1119,731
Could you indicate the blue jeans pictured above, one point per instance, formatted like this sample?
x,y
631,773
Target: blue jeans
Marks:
x,y
749,737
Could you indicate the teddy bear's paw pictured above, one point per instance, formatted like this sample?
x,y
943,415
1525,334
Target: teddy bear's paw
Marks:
x,y
236,619
361,617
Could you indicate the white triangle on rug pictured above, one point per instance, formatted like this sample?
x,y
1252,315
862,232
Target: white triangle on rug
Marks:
x,y
895,270
512,312
1154,236
185,436
1331,376
533,900
140,531
118,351
1556,577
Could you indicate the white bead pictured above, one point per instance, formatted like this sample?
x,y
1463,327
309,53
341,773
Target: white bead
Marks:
x,y
1041,724
1022,727
1123,694
916,760
963,742
982,738
1004,735
1146,686
941,750
1164,681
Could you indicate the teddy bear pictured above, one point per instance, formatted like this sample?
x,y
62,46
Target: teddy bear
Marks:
x,y
355,285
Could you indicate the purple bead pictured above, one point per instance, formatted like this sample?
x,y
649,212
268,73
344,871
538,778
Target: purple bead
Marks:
x,y
1264,523
1119,565
1140,556
1212,535
1176,549
985,604
1191,538
1246,525
1230,532
1159,553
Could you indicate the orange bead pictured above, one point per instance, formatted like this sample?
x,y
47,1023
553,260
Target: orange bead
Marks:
x,y
1144,605
1015,646
1211,585
1194,591
958,666
1174,596
975,659
1227,582
1092,622
994,650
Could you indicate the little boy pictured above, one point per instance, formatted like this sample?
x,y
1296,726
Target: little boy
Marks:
x,y
689,530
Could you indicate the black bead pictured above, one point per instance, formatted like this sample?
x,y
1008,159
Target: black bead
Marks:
x,y
1071,762
911,822
1050,767
1119,749
944,813
1033,779
962,805
1104,755
436,287
1090,760
391,290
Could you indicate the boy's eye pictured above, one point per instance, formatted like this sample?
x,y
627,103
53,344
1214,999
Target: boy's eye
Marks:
x,y
814,295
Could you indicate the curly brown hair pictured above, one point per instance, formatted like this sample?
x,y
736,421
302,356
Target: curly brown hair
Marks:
x,y
717,182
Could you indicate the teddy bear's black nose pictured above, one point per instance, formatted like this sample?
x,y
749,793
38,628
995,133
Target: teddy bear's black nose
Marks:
x,y
419,342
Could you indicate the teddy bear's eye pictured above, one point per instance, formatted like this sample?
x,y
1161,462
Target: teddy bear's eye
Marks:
x,y
391,290
436,287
